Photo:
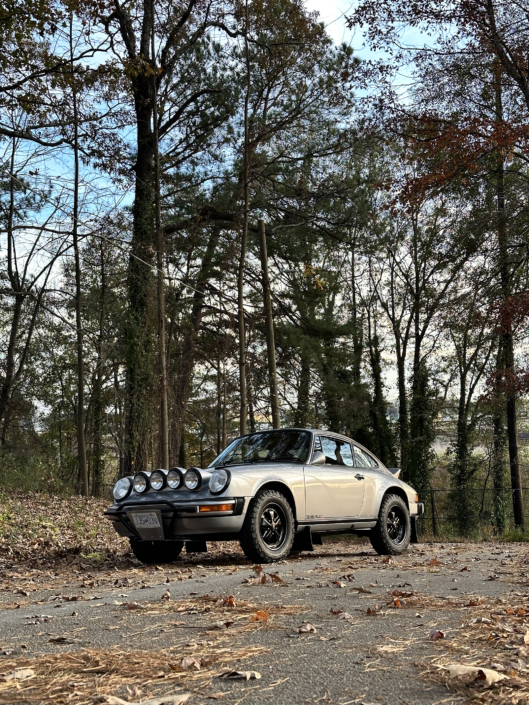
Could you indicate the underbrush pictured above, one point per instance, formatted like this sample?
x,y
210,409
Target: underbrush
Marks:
x,y
40,526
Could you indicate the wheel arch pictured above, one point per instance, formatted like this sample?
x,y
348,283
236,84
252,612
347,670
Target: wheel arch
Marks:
x,y
284,489
399,492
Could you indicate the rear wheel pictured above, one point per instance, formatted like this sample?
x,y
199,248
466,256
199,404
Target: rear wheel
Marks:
x,y
156,551
391,535
267,534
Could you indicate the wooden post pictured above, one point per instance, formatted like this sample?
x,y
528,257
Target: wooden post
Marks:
x,y
269,327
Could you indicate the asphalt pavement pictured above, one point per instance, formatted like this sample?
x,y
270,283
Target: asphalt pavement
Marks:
x,y
341,625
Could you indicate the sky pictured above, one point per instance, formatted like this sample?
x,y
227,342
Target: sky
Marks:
x,y
333,13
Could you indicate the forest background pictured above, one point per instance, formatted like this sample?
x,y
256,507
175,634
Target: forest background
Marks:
x,y
146,146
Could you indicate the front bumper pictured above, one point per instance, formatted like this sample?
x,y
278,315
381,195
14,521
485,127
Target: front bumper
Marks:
x,y
416,509
180,521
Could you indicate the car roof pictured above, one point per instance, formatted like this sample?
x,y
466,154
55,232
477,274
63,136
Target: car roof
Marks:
x,y
323,432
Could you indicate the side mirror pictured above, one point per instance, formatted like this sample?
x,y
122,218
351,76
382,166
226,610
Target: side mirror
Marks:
x,y
395,472
318,458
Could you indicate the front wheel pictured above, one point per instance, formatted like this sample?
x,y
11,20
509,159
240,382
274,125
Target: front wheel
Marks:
x,y
156,551
267,534
391,535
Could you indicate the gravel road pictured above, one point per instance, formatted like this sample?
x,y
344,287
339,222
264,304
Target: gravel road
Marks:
x,y
340,625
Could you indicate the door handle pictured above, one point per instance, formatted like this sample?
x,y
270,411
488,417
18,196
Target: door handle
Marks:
x,y
358,476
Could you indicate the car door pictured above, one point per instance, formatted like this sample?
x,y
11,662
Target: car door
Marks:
x,y
334,490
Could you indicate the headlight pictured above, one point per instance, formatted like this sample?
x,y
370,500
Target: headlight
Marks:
x,y
122,488
174,478
192,479
141,483
157,480
219,481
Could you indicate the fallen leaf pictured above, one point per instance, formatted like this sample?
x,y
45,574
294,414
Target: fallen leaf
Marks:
x,y
362,590
133,606
345,615
437,634
434,561
483,674
387,559
275,578
166,595
62,640
19,674
190,662
259,616
373,610
240,675
307,628
164,700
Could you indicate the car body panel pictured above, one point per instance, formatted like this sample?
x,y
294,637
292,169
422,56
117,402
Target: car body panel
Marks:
x,y
332,492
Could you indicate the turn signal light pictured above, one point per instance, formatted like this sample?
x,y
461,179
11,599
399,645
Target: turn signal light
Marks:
x,y
416,497
215,508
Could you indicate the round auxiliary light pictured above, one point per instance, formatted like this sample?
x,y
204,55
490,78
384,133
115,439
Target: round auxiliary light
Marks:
x,y
175,478
192,479
122,488
219,481
141,482
158,480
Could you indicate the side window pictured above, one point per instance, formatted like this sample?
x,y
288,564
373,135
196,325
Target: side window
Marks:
x,y
330,451
347,455
336,452
364,460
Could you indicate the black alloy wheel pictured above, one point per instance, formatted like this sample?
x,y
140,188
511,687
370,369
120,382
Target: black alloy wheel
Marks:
x,y
273,526
396,525
392,534
267,534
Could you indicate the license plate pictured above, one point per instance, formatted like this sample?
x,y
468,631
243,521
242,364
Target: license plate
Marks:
x,y
146,520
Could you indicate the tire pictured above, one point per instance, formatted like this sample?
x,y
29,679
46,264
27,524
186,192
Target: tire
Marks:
x,y
391,536
156,551
267,534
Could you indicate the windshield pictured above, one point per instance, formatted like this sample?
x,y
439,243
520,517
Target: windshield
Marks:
x,y
269,446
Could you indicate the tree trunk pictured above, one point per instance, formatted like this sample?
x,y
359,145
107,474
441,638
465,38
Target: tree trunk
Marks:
x,y
506,324
269,328
98,462
81,440
302,410
160,249
404,433
139,351
187,358
244,239
383,436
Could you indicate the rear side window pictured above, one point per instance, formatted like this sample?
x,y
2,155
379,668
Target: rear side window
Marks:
x,y
336,452
364,460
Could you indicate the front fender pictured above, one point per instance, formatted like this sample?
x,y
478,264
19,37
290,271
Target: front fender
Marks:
x,y
248,482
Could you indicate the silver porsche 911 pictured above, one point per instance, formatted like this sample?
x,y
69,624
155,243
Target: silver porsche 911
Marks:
x,y
274,491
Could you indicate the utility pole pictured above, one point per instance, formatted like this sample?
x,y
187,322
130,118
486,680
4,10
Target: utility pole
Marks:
x,y
162,361
269,327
